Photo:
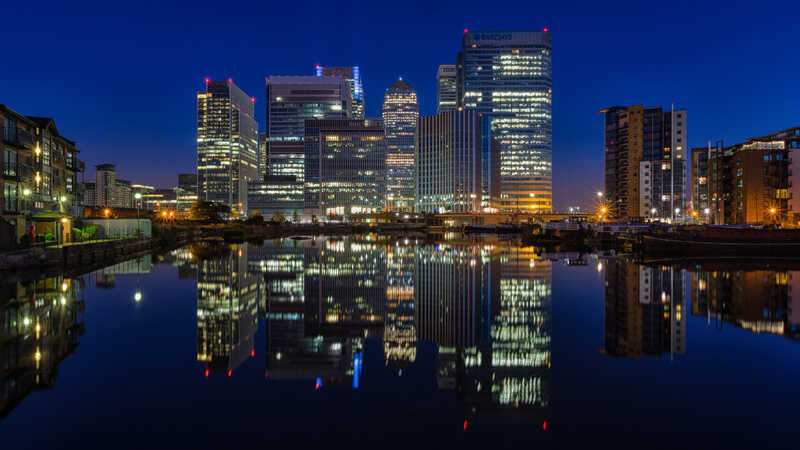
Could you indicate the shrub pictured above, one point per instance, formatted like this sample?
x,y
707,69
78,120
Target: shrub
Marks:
x,y
40,237
50,237
76,233
25,239
89,231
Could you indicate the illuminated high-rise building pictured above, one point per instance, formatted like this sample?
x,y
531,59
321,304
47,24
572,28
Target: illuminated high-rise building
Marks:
x,y
290,102
345,167
227,144
645,163
457,160
507,75
446,89
352,75
400,114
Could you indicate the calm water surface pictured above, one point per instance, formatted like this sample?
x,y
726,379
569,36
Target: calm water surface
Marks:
x,y
387,342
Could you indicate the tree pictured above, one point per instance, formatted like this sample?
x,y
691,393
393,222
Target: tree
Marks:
x,y
295,217
203,211
255,218
278,216
314,219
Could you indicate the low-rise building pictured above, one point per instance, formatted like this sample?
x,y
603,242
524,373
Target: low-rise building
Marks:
x,y
751,181
39,172
275,194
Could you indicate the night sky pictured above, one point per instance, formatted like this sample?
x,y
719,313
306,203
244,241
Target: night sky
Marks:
x,y
120,78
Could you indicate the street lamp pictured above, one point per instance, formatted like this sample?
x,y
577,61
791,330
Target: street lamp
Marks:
x,y
138,197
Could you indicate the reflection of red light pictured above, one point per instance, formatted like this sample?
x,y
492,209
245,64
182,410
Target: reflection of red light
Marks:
x,y
230,372
316,386
206,373
544,425
252,353
465,424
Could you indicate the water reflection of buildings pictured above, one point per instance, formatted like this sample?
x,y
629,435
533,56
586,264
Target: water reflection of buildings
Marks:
x,y
183,260
756,299
42,322
294,352
227,305
645,309
400,333
487,305
107,276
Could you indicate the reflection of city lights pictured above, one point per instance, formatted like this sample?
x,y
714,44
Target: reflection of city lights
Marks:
x,y
38,327
137,296
63,286
599,266
63,300
38,356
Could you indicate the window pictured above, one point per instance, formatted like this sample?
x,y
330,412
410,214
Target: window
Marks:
x,y
739,161
738,194
767,158
766,170
739,172
766,181
739,183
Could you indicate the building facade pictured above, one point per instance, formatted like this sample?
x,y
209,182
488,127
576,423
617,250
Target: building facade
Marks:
x,y
345,167
751,182
645,163
699,184
458,163
351,75
508,76
400,115
446,89
40,167
227,144
188,182
290,102
108,191
275,194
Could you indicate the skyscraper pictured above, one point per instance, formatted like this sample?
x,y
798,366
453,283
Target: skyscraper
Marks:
x,y
458,163
290,101
508,76
352,75
345,164
645,164
446,91
400,114
227,144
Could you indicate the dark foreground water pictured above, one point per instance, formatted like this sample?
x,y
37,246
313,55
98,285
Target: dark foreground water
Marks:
x,y
402,343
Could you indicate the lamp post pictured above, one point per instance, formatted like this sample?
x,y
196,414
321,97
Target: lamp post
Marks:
x,y
107,212
138,197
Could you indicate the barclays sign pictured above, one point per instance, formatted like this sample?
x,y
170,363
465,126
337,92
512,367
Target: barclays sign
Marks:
x,y
492,36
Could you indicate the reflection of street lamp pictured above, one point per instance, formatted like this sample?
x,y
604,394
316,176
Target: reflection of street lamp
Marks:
x,y
706,211
138,294
138,197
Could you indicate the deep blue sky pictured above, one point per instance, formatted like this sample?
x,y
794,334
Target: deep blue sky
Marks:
x,y
120,78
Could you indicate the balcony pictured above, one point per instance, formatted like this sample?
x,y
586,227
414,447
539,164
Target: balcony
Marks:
x,y
18,137
18,172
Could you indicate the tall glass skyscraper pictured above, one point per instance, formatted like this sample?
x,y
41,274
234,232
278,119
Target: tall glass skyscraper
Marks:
x,y
400,114
508,76
446,98
352,76
227,144
290,101
345,164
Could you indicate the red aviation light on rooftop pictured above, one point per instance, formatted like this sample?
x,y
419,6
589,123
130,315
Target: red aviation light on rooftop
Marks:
x,y
317,67
230,80
253,99
466,30
207,80
545,29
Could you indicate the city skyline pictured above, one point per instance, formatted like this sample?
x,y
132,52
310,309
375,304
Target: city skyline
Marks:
x,y
109,124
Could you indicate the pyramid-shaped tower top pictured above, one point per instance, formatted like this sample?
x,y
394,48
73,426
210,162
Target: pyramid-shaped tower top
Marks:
x,y
400,85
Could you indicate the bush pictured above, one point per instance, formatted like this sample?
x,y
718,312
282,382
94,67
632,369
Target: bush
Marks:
x,y
40,237
50,237
76,233
25,239
89,231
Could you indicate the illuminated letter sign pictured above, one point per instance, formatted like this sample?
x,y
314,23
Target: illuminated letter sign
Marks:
x,y
492,36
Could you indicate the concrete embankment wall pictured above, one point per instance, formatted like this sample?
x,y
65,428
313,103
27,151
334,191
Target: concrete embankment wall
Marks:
x,y
76,255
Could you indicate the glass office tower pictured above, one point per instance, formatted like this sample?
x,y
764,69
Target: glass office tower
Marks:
x,y
352,75
400,114
227,144
446,98
290,101
508,76
345,167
